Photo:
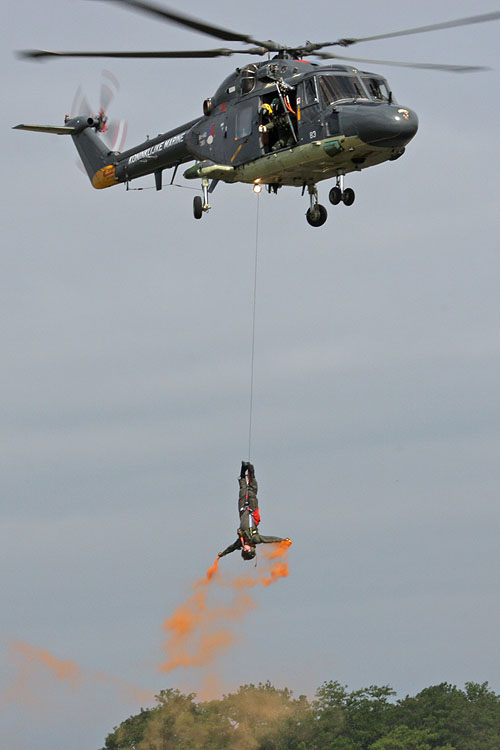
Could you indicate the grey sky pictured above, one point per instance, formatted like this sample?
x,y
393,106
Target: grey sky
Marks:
x,y
126,331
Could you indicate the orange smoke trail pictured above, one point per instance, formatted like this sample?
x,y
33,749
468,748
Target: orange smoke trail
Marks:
x,y
126,690
195,636
280,550
278,569
30,686
198,630
274,573
63,670
207,648
211,572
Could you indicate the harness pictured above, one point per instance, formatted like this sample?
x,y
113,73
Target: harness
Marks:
x,y
253,515
246,535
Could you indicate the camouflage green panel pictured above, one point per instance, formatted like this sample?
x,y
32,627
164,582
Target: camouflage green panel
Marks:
x,y
307,164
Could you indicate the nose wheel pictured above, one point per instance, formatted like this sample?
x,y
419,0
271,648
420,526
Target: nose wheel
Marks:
x,y
316,214
338,195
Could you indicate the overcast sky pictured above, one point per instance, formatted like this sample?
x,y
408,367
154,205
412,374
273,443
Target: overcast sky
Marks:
x,y
126,340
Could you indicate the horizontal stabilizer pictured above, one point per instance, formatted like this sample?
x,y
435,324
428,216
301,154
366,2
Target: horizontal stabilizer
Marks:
x,y
57,129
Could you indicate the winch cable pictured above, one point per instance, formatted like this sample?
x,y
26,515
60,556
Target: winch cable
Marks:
x,y
253,327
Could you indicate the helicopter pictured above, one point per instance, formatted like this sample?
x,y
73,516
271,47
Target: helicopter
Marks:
x,y
283,121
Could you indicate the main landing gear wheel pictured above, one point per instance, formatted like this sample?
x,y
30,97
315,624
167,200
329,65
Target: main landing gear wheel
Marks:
x,y
335,196
317,216
197,207
348,196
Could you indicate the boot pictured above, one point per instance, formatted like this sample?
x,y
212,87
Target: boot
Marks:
x,y
243,471
251,470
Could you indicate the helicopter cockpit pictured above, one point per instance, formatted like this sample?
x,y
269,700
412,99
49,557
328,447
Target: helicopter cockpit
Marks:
x,y
248,77
378,89
334,88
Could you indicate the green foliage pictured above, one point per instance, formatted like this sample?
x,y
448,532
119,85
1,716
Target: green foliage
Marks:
x,y
130,732
404,738
262,717
352,720
468,720
265,717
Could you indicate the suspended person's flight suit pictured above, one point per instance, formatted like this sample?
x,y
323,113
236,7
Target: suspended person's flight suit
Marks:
x,y
248,509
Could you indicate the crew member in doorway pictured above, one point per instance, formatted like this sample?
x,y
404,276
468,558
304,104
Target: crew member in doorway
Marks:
x,y
248,509
275,127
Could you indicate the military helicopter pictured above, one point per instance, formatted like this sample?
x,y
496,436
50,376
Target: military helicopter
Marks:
x,y
282,121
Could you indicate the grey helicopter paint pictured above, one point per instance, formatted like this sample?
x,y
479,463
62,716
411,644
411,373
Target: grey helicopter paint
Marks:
x,y
286,121
346,134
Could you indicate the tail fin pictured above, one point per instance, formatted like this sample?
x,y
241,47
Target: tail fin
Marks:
x,y
94,153
96,157
58,130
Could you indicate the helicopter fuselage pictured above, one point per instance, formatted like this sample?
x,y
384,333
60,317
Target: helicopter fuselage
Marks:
x,y
283,122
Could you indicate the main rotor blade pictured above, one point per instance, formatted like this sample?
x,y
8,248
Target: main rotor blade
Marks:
x,y
39,54
400,64
483,18
187,21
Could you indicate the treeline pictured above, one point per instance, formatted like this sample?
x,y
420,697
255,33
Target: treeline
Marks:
x,y
262,717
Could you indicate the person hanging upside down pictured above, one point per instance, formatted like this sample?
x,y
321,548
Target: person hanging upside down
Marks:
x,y
248,509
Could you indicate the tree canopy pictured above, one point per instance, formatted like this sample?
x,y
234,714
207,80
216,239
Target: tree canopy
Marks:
x,y
262,717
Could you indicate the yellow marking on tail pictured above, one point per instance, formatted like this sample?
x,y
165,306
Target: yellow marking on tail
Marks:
x,y
104,177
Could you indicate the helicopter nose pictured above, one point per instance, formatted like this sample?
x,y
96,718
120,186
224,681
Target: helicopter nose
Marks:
x,y
390,127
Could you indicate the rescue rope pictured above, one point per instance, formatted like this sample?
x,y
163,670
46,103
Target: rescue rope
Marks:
x,y
253,327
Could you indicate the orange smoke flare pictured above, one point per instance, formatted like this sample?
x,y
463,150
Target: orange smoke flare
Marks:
x,y
197,631
280,550
212,570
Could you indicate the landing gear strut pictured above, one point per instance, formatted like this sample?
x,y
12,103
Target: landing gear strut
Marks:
x,y
316,214
338,194
201,205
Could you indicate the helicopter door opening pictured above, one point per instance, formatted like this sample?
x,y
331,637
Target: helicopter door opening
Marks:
x,y
278,121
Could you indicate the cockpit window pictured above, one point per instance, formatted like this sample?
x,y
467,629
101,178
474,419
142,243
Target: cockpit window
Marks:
x,y
334,88
310,96
247,78
377,88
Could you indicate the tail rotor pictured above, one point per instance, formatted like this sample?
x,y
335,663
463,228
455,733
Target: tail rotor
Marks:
x,y
110,86
114,132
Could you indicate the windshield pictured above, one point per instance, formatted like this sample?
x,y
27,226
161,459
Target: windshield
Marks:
x,y
334,88
377,89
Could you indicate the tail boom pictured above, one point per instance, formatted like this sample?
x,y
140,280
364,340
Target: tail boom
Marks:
x,y
106,168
